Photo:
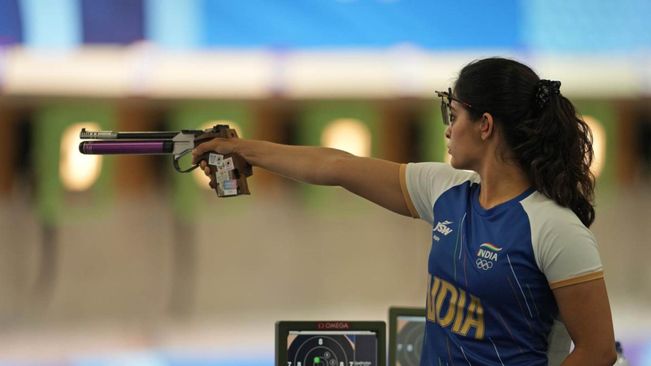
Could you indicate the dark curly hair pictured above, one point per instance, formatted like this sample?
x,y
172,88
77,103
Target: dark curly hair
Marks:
x,y
551,143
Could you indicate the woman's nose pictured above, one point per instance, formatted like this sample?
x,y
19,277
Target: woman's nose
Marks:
x,y
447,131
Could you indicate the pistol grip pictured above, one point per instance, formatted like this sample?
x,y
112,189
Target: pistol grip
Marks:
x,y
213,179
227,173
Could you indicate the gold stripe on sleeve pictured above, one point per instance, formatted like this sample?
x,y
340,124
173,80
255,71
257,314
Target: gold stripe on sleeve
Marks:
x,y
405,192
578,279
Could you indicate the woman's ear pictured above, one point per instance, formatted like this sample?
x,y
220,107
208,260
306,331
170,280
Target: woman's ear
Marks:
x,y
486,126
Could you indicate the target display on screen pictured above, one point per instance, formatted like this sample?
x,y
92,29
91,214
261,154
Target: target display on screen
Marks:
x,y
406,331
338,343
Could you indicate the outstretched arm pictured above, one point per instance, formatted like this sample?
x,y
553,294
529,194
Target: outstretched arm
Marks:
x,y
374,179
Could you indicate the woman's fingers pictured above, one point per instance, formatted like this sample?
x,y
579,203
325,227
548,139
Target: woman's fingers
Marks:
x,y
219,145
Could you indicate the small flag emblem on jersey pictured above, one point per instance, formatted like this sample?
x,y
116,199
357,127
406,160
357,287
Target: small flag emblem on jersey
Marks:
x,y
490,246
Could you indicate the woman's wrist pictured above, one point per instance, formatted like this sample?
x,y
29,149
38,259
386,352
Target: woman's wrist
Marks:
x,y
245,148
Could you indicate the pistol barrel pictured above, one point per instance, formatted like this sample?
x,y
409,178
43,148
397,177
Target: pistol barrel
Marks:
x,y
131,135
126,147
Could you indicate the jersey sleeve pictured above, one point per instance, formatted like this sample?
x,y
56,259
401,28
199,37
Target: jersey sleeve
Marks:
x,y
566,251
423,183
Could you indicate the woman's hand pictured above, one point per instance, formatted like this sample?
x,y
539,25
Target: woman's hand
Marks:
x,y
219,145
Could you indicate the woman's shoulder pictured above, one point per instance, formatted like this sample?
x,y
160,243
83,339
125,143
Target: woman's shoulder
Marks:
x,y
548,217
563,247
442,171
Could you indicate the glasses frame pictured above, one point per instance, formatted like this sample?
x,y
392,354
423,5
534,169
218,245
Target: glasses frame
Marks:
x,y
446,101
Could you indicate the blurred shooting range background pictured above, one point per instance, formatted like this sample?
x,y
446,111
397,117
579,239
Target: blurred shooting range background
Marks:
x,y
120,260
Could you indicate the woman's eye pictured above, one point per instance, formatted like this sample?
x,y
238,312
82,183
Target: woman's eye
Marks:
x,y
452,118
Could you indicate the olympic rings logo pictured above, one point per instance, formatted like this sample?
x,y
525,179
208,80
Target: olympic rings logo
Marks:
x,y
484,264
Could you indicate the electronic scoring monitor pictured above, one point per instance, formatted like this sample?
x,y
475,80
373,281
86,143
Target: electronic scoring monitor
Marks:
x,y
330,343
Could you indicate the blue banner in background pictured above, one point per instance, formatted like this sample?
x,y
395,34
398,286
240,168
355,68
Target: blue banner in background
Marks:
x,y
51,24
113,21
173,24
11,30
587,26
362,23
548,26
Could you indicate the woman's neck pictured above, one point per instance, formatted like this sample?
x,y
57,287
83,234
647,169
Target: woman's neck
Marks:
x,y
500,182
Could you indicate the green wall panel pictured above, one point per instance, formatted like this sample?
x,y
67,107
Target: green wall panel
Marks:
x,y
50,122
433,136
315,117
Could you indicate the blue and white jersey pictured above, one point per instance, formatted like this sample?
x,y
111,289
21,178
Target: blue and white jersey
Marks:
x,y
492,271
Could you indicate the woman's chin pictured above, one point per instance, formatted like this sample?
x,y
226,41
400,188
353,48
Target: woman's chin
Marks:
x,y
456,164
450,159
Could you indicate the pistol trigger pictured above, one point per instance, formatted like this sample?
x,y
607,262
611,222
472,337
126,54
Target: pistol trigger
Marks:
x,y
178,168
175,162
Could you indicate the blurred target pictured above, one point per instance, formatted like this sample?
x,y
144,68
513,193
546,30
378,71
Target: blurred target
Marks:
x,y
409,343
406,332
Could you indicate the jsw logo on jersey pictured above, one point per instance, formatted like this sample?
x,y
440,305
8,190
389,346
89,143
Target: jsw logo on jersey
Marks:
x,y
442,227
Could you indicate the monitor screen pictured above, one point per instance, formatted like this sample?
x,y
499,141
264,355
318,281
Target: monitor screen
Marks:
x,y
330,343
406,330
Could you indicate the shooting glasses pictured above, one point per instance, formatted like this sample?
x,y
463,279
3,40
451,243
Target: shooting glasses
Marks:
x,y
446,100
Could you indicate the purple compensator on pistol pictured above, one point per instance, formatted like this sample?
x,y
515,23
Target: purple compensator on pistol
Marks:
x,y
228,172
127,147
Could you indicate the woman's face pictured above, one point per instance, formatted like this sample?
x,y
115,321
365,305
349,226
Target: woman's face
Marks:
x,y
464,139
